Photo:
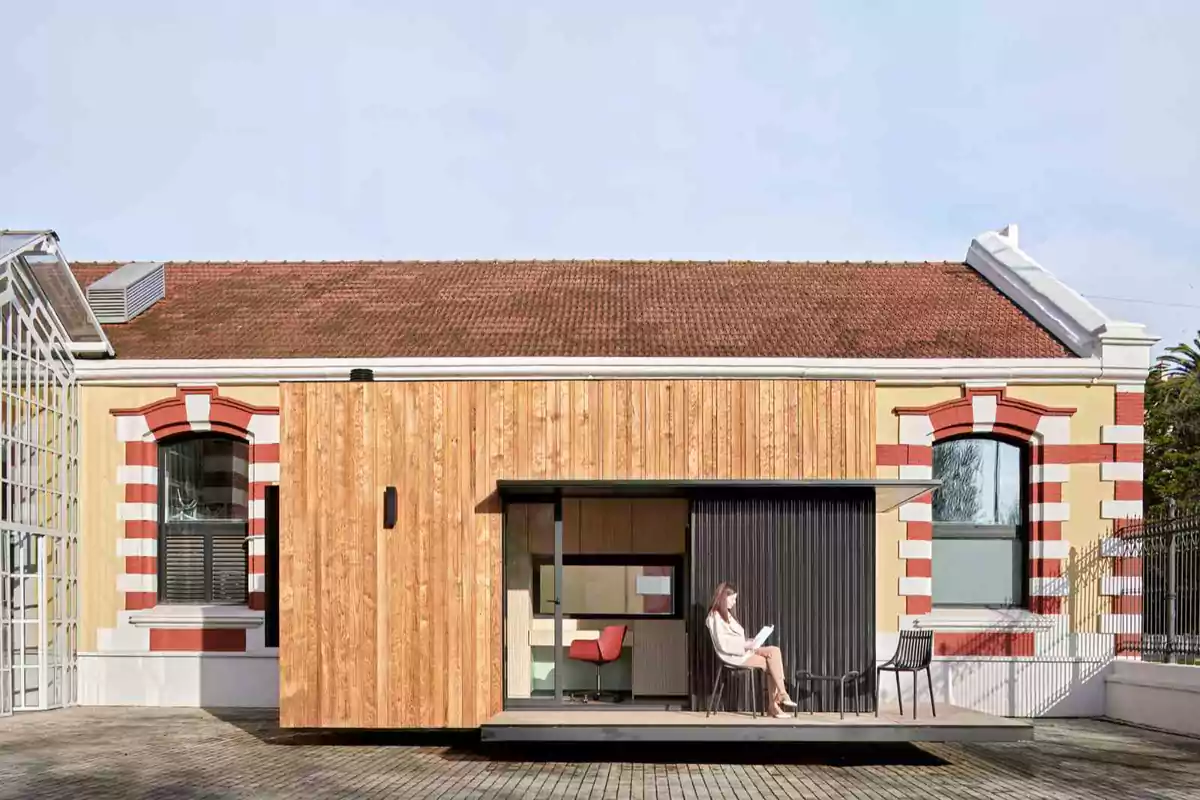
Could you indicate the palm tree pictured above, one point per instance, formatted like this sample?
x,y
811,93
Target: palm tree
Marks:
x,y
1183,359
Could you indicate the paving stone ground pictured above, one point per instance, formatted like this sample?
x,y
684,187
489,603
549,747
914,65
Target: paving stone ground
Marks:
x,y
178,753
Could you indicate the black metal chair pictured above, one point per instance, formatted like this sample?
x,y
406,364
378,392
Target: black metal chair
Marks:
x,y
913,654
733,671
851,677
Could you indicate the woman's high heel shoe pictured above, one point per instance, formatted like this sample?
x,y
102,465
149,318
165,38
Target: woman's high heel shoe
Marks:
x,y
788,703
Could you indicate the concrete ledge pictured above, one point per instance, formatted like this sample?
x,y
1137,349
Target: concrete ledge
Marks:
x,y
1161,696
176,679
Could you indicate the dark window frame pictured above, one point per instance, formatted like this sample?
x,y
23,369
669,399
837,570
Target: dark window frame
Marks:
x,y
613,560
980,532
163,526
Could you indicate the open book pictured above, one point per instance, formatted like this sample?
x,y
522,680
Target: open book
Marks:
x,y
762,636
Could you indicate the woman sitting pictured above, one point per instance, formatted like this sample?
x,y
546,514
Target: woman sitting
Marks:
x,y
734,648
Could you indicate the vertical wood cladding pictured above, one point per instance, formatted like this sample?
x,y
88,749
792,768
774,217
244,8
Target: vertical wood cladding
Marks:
x,y
401,628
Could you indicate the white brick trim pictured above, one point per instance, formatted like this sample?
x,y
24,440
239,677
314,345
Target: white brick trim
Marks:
x,y
132,429
1122,434
916,587
264,473
1120,623
1049,512
1117,547
1131,388
1050,548
916,512
983,412
1049,587
916,549
264,428
911,472
137,547
1121,509
258,582
1121,471
258,509
1049,473
1120,585
257,545
134,474
127,512
916,429
1054,430
198,406
132,582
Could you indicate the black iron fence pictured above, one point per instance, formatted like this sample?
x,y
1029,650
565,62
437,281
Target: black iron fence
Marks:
x,y
1168,550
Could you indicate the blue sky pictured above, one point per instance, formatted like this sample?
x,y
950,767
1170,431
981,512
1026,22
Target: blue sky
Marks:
x,y
698,129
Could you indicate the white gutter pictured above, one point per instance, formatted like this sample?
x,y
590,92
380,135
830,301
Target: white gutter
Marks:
x,y
91,348
881,370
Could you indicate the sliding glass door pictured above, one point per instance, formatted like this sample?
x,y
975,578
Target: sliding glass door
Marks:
x,y
605,574
533,628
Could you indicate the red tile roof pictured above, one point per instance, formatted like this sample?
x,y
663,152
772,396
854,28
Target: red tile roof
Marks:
x,y
577,308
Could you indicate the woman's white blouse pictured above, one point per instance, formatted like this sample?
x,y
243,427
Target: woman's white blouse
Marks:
x,y
728,638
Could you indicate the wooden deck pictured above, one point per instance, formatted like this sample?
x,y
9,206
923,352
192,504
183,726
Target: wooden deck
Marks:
x,y
594,725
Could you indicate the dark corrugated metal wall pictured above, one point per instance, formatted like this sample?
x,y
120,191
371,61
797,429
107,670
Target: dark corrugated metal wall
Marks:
x,y
802,561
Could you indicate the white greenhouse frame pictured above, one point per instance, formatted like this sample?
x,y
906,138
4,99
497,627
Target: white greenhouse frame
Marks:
x,y
39,475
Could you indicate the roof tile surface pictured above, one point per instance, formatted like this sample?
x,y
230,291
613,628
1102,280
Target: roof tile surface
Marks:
x,y
577,308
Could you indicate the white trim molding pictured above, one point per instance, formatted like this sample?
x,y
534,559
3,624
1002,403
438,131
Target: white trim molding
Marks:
x,y
1121,471
1120,509
886,371
1050,548
1049,473
1120,585
1049,512
916,512
1122,434
1049,587
997,256
916,587
1118,547
977,619
916,549
208,617
1120,623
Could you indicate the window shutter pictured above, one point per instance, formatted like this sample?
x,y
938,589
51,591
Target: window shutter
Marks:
x,y
182,570
229,564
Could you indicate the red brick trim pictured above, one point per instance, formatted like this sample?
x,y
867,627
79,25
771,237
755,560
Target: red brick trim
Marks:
x,y
214,640
984,643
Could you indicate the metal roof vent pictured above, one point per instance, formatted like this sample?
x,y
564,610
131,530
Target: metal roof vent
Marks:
x,y
127,291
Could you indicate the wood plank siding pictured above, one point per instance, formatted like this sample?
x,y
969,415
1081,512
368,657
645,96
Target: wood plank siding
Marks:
x,y
402,628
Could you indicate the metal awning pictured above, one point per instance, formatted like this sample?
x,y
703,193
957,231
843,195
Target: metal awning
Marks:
x,y
889,492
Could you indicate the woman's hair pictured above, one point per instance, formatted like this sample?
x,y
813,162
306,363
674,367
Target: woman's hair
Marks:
x,y
720,601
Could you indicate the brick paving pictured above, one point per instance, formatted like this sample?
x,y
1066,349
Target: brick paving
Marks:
x,y
183,753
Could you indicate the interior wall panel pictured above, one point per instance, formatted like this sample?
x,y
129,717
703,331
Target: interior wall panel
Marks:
x,y
402,628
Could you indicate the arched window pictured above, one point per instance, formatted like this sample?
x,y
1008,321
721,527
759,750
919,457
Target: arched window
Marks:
x,y
203,511
978,524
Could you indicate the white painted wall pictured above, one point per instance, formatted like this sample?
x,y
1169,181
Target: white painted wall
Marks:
x,y
1162,696
194,680
1067,680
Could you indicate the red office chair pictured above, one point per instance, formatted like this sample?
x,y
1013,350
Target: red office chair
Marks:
x,y
600,651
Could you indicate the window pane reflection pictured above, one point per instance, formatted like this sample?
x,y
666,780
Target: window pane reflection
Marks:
x,y
616,589
981,482
205,479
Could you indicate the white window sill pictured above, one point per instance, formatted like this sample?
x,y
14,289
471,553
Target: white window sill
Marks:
x,y
975,619
208,617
